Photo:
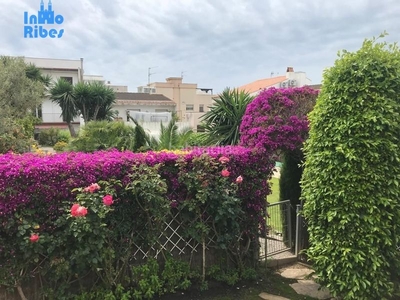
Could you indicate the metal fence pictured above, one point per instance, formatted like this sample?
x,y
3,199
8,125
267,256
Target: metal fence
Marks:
x,y
279,229
301,242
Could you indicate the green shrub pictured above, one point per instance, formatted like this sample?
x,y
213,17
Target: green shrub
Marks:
x,y
60,146
48,137
351,181
289,186
102,135
63,136
13,137
197,139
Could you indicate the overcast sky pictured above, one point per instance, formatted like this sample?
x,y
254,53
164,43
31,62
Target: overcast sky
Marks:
x,y
215,43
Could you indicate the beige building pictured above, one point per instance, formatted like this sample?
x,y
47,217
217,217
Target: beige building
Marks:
x,y
191,101
291,79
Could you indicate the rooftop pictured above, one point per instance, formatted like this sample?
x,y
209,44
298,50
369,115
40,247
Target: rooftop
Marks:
x,y
124,98
261,84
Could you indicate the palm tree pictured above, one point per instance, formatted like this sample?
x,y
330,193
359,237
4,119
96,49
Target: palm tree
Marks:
x,y
62,93
223,120
34,73
103,99
94,100
83,96
171,137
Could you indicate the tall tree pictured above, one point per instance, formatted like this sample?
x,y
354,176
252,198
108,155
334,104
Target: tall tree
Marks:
x,y
94,100
34,73
19,96
223,120
350,182
62,93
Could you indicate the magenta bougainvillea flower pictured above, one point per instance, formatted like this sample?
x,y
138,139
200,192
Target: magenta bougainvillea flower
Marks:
x,y
277,119
174,204
29,181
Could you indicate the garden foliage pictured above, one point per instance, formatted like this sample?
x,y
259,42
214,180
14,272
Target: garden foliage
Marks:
x,y
103,135
74,218
352,172
222,122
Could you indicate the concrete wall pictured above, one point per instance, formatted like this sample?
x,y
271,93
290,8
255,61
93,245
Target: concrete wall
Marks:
x,y
51,112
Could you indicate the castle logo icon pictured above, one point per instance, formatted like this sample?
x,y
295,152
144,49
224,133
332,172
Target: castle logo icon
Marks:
x,y
36,26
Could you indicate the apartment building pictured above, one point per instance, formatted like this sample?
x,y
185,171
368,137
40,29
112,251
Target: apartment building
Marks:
x,y
191,101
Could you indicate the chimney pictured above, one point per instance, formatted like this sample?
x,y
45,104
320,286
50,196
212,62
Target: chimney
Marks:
x,y
289,69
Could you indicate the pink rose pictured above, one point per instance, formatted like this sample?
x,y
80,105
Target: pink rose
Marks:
x,y
108,200
225,173
78,211
34,238
223,159
73,209
239,179
92,188
81,211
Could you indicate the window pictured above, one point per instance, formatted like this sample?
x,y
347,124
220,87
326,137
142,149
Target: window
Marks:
x,y
201,108
67,79
189,107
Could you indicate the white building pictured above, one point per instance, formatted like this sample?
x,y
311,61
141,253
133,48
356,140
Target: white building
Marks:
x,y
70,70
100,78
291,79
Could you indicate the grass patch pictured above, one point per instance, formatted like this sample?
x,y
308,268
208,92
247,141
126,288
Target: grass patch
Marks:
x,y
274,222
274,197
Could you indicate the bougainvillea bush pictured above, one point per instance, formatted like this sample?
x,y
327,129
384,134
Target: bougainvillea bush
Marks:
x,y
65,216
277,119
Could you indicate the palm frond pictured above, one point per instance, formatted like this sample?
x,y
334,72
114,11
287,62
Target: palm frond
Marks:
x,y
222,121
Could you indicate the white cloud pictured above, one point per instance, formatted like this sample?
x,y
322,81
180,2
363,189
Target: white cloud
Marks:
x,y
217,43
